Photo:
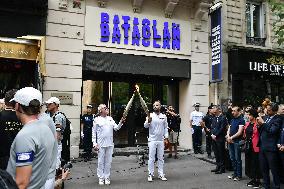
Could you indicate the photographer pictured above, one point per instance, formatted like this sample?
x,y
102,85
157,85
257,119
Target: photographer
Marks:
x,y
174,128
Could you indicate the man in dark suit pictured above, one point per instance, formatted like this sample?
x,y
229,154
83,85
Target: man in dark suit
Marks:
x,y
218,132
280,143
269,130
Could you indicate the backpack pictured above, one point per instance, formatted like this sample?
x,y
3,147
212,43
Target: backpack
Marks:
x,y
6,181
67,130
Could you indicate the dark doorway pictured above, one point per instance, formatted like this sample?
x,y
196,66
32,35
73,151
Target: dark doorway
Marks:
x,y
116,95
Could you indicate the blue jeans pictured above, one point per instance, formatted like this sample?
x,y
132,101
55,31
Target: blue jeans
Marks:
x,y
235,156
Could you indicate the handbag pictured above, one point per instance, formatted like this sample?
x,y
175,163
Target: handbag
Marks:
x,y
246,145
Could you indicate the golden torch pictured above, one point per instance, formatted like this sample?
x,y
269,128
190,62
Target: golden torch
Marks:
x,y
143,103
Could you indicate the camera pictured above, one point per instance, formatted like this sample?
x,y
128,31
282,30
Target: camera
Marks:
x,y
67,166
163,109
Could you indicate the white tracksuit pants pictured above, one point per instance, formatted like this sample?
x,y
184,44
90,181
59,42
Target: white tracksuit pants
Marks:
x,y
153,145
104,161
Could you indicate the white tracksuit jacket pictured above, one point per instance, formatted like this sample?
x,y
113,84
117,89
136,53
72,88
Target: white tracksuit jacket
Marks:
x,y
158,131
102,135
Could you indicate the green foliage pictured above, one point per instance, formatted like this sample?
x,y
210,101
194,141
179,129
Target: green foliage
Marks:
x,y
277,7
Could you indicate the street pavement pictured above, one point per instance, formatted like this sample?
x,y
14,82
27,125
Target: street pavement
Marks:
x,y
190,171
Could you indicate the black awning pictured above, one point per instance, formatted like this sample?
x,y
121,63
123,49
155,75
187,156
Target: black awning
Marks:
x,y
136,65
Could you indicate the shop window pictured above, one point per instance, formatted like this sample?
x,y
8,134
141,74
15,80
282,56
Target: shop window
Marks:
x,y
255,19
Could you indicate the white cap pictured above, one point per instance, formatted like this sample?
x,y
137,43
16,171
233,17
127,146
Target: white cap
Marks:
x,y
25,95
2,100
53,100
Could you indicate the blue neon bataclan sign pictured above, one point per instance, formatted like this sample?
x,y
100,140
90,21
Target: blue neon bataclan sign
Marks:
x,y
146,36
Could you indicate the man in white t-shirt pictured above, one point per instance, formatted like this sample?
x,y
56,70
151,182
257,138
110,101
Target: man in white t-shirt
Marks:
x,y
195,123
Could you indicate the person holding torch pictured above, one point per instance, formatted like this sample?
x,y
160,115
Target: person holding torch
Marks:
x,y
102,138
158,132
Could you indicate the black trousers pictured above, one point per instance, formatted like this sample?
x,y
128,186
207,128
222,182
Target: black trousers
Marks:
x,y
65,153
219,152
4,162
197,138
87,142
270,161
208,143
252,165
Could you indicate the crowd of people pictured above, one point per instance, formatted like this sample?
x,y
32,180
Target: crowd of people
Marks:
x,y
258,132
32,141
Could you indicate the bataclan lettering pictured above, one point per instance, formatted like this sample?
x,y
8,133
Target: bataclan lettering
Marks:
x,y
146,35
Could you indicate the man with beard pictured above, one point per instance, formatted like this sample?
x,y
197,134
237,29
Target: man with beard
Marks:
x,y
218,132
9,128
158,132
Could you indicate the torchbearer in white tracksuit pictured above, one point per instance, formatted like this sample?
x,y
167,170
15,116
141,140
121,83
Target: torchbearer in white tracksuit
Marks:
x,y
158,132
102,138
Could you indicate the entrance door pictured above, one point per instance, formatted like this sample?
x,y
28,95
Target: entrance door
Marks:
x,y
116,95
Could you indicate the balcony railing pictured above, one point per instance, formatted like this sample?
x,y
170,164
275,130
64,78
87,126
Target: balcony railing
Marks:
x,y
255,41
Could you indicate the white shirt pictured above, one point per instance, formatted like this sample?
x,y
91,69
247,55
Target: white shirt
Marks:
x,y
103,131
196,117
158,127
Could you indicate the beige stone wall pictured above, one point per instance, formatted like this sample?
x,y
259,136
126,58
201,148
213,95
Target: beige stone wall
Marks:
x,y
64,54
234,33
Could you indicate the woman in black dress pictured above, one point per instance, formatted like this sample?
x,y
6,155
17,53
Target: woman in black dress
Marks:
x,y
251,135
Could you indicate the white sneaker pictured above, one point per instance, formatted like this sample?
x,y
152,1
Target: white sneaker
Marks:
x,y
150,178
107,181
101,181
163,178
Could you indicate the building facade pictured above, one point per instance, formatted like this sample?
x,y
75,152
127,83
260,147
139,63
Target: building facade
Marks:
x,y
252,61
22,44
100,49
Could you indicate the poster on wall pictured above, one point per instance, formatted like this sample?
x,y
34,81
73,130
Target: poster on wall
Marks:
x,y
216,42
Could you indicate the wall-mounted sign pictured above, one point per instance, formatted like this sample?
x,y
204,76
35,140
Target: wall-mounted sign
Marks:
x,y
216,42
263,63
112,28
18,50
273,66
65,98
169,39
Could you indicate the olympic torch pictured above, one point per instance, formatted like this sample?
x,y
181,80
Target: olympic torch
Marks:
x,y
128,106
143,103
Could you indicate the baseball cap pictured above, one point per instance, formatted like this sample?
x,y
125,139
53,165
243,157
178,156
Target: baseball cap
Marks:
x,y
53,100
196,104
25,95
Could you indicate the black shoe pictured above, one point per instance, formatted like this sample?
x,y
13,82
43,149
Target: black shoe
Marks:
x,y
201,152
195,152
209,156
220,172
176,157
251,183
170,156
215,170
256,185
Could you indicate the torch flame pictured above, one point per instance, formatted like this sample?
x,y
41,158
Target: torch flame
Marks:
x,y
137,88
